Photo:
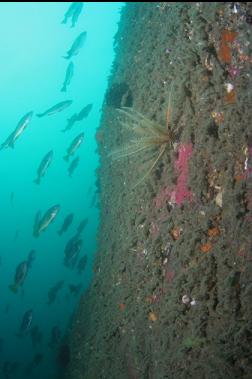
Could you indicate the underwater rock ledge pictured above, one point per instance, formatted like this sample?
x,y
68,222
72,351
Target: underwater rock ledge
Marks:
x,y
171,293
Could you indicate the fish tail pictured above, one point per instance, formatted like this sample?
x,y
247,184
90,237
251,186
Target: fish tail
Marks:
x,y
66,57
13,288
37,181
63,89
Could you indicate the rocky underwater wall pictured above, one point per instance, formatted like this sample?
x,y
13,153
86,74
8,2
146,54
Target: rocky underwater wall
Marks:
x,y
171,295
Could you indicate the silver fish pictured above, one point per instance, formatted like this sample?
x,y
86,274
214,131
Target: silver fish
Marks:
x,y
26,322
68,77
72,166
45,163
23,123
20,275
67,222
76,46
46,220
56,108
84,112
72,250
69,13
70,122
74,146
82,225
76,13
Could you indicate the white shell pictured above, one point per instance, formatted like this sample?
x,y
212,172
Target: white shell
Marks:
x,y
186,299
193,302
229,87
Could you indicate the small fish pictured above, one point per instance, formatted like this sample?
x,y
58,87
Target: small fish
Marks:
x,y
26,323
82,225
73,166
74,146
46,220
76,46
67,222
53,291
20,275
70,122
69,13
82,264
74,288
78,116
84,112
56,108
76,13
94,199
68,77
44,164
23,123
72,250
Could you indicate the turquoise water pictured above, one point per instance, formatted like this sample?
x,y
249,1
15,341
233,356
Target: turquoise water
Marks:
x,y
32,73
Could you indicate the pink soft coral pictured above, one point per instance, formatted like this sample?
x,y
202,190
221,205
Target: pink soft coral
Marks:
x,y
182,192
179,193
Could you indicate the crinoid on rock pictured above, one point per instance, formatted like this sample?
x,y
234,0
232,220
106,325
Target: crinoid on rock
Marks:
x,y
149,138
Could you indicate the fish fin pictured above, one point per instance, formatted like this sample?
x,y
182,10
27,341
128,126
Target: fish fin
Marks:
x,y
59,232
37,181
66,158
63,89
13,288
40,114
66,57
11,144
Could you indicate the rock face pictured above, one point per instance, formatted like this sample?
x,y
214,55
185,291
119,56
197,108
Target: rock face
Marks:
x,y
171,295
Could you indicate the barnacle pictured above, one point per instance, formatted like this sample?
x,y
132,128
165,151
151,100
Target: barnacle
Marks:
x,y
149,137
206,247
152,316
